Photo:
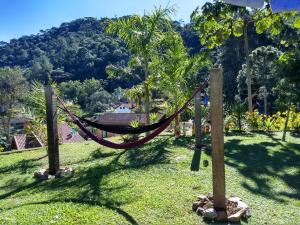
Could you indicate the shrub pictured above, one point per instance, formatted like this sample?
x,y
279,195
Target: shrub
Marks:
x,y
255,120
275,122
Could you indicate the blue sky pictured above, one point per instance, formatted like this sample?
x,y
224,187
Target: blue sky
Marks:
x,y
25,17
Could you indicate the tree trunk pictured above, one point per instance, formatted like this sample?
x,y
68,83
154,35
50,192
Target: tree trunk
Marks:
x,y
265,102
240,122
198,121
286,120
177,125
6,129
147,95
183,128
248,75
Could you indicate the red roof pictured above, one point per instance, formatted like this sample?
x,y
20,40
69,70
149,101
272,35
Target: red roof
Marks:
x,y
67,135
24,141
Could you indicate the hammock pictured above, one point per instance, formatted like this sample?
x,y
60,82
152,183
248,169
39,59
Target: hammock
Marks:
x,y
131,144
125,129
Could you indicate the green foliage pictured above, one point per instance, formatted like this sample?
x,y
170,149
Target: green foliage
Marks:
x,y
266,20
153,117
90,95
13,88
255,121
77,50
217,21
142,35
136,94
275,122
263,77
236,114
134,123
173,67
35,109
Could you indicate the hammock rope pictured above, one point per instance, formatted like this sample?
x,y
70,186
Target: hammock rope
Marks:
x,y
130,144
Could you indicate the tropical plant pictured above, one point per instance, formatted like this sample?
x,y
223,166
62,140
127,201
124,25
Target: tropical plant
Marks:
x,y
172,66
131,137
136,94
35,109
237,112
142,35
153,117
255,121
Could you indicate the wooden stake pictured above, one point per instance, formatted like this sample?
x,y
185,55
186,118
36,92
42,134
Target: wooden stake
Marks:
x,y
51,110
217,136
198,120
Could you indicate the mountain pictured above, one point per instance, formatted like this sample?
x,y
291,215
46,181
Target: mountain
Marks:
x,y
76,50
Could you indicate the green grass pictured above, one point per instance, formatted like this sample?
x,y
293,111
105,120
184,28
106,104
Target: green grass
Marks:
x,y
151,185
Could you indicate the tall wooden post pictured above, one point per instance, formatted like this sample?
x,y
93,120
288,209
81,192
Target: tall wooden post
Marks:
x,y
198,120
217,136
51,110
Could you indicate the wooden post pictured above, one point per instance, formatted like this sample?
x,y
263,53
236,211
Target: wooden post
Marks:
x,y
198,120
51,110
217,136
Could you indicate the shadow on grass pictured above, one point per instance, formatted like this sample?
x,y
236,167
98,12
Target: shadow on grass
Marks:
x,y
92,184
261,162
22,166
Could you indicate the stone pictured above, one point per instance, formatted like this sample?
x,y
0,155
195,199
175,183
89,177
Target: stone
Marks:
x,y
200,211
234,199
201,197
242,205
210,213
221,216
41,174
235,218
247,214
210,196
196,205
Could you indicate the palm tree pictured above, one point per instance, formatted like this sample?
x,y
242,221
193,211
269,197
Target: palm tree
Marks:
x,y
172,66
141,35
136,94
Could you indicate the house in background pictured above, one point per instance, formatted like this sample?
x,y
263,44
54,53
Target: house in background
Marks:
x,y
124,108
117,119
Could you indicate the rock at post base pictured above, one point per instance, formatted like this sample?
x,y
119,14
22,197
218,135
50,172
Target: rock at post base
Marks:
x,y
200,211
210,213
235,218
196,205
221,216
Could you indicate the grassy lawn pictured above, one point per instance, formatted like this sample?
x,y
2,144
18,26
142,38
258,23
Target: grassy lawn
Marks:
x,y
151,185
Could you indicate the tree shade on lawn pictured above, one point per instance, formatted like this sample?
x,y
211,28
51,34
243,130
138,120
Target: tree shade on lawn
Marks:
x,y
152,184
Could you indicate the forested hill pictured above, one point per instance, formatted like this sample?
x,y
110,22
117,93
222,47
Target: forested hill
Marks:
x,y
81,49
76,50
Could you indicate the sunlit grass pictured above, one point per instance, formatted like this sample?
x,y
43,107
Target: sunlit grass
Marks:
x,y
151,185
